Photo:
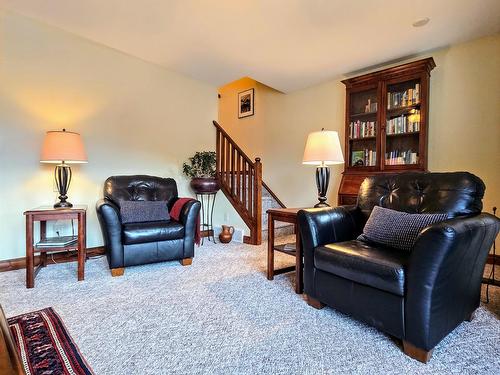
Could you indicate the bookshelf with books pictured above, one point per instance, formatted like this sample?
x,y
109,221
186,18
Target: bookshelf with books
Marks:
x,y
362,127
386,123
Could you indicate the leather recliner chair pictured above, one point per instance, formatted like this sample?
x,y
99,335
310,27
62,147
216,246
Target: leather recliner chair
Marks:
x,y
140,243
419,296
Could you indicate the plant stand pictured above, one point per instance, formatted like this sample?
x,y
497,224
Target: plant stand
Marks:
x,y
207,212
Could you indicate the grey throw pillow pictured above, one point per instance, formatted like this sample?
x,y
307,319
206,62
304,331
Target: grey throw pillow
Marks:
x,y
142,211
396,229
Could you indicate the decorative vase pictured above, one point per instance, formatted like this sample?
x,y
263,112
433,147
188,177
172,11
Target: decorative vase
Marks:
x,y
227,234
204,185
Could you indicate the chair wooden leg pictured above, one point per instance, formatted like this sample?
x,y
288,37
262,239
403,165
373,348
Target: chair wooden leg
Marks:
x,y
117,271
314,303
420,355
471,316
186,261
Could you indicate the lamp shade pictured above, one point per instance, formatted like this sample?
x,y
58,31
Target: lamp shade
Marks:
x,y
63,146
322,148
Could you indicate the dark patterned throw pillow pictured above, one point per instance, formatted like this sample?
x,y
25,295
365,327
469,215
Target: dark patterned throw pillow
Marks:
x,y
142,211
396,229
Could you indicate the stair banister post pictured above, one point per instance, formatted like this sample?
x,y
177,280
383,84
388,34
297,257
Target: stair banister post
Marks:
x,y
217,154
257,186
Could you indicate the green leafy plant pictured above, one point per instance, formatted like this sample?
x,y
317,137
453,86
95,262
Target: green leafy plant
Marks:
x,y
200,165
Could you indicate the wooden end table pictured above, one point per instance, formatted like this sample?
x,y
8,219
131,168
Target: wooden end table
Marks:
x,y
287,215
44,214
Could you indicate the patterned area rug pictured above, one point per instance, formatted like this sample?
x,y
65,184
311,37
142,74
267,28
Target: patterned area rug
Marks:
x,y
45,346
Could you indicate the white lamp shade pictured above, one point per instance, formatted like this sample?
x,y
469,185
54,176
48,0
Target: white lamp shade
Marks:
x,y
63,146
323,147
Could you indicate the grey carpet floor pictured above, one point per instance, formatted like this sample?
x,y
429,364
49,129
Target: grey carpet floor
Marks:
x,y
221,316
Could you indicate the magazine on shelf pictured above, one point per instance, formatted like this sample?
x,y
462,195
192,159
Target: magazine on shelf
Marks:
x,y
61,241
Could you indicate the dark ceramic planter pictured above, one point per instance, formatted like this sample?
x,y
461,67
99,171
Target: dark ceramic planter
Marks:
x,y
204,185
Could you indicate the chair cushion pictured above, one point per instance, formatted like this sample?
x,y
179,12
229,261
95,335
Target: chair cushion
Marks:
x,y
367,264
152,231
143,211
395,229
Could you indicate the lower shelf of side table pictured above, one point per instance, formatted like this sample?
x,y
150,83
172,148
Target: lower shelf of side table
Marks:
x,y
286,249
47,249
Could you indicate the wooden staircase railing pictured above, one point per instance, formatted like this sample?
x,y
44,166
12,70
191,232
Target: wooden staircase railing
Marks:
x,y
240,179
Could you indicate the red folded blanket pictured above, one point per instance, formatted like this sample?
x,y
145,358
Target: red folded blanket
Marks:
x,y
175,213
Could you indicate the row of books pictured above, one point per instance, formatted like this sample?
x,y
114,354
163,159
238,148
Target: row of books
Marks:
x,y
371,106
363,158
404,98
404,124
398,157
362,129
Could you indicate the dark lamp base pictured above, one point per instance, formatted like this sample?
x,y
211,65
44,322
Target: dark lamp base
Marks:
x,y
62,175
322,181
62,204
321,204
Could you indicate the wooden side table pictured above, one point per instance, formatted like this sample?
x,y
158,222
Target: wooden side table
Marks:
x,y
44,214
287,215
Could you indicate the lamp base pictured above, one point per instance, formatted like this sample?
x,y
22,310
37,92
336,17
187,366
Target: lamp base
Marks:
x,y
62,175
63,204
322,181
321,204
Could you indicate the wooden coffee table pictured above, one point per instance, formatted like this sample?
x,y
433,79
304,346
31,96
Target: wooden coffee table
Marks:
x,y
287,215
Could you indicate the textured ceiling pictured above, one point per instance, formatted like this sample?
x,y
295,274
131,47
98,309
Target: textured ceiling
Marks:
x,y
286,44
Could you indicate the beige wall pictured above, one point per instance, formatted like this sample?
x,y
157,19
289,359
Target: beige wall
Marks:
x,y
278,131
464,122
134,117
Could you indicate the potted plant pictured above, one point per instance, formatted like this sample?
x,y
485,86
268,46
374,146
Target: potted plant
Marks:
x,y
201,168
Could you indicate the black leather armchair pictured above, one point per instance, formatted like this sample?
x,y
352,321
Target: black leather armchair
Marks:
x,y
420,296
140,243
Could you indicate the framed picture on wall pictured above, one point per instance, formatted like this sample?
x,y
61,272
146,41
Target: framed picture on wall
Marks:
x,y
246,103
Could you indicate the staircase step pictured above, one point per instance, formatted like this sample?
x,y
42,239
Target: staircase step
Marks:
x,y
279,231
277,224
268,202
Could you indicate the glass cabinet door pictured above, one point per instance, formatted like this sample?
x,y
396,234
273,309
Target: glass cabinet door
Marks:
x,y
402,127
362,128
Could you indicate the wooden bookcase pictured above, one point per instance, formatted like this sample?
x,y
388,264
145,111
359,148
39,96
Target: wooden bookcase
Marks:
x,y
386,124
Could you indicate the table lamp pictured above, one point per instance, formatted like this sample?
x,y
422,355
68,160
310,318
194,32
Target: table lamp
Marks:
x,y
63,148
323,149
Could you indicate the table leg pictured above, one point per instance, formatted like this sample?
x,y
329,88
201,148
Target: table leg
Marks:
x,y
30,277
270,247
81,247
85,236
299,266
43,235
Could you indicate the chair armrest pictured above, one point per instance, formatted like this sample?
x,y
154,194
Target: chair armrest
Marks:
x,y
188,218
189,213
111,226
444,276
321,226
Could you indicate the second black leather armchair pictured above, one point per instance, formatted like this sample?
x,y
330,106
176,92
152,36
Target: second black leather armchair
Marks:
x,y
420,296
